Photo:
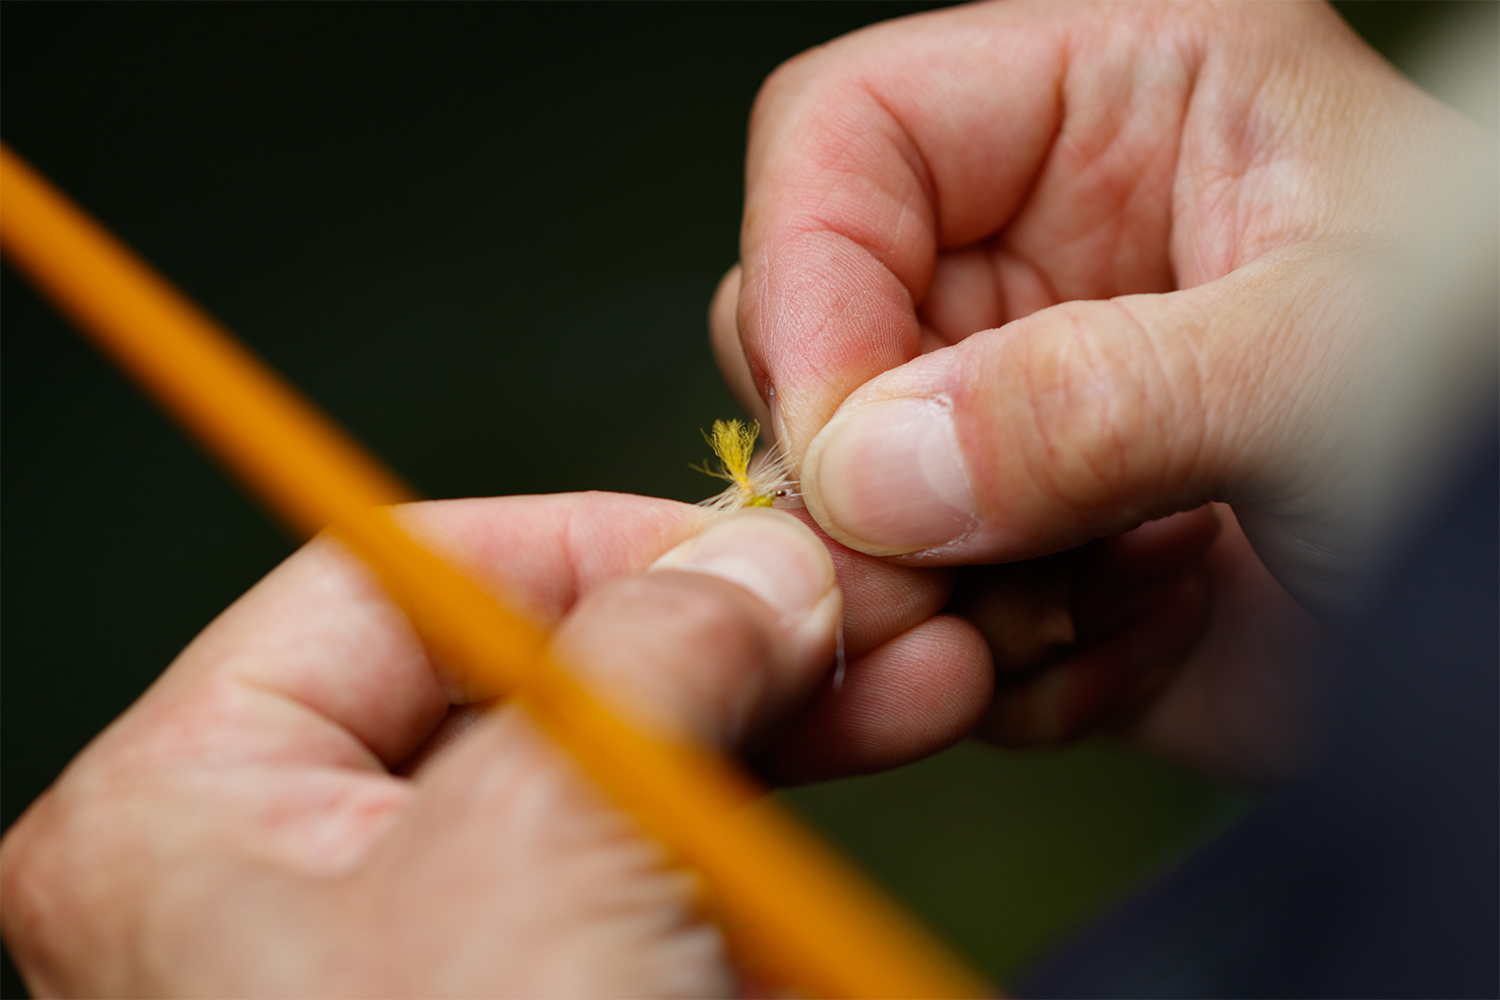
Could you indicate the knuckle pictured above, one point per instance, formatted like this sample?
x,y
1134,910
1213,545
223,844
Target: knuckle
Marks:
x,y
792,74
17,889
783,83
34,892
1105,407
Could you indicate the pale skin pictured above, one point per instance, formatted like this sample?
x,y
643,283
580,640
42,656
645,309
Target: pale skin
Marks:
x,y
1116,252
1019,276
297,807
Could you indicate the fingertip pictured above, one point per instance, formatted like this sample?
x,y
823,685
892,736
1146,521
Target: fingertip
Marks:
x,y
890,477
782,563
767,552
909,698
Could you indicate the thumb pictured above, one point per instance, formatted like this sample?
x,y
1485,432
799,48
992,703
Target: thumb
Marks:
x,y
510,875
728,630
1088,418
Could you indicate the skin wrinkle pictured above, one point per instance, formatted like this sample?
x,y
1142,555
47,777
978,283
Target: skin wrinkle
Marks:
x,y
1037,273
1184,408
363,757
812,365
1034,467
217,712
1114,466
1250,379
1195,463
834,315
1004,245
938,63
1190,53
1226,185
336,582
858,230
1095,117
930,221
1213,189
1161,201
1105,124
830,316
574,548
351,815
1060,453
1335,109
1003,236
1155,373
845,148
1094,459
1094,162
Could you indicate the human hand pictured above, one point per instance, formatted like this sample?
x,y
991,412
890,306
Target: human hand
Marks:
x,y
296,807
1016,277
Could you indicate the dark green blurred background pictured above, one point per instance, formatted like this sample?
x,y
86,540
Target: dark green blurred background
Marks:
x,y
483,238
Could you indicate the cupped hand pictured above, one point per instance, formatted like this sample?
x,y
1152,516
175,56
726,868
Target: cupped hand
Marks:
x,y
1016,277
297,806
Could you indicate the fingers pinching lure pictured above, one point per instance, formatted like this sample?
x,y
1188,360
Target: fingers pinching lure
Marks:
x,y
754,480
757,481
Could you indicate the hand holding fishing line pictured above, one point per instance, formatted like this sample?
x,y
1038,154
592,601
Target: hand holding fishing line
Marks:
x,y
981,271
793,914
300,760
1019,277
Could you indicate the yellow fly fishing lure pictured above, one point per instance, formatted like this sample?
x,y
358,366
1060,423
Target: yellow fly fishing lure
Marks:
x,y
754,480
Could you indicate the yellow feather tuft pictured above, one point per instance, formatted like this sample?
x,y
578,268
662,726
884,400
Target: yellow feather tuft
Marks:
x,y
753,482
734,443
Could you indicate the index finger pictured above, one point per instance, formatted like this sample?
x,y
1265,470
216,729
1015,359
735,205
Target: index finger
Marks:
x,y
865,157
337,676
1053,128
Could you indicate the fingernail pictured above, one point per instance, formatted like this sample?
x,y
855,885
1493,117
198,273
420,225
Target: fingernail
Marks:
x,y
769,553
889,477
775,408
